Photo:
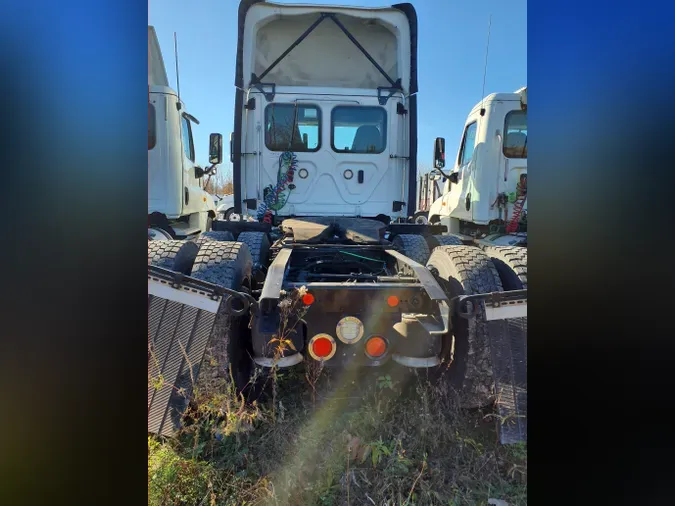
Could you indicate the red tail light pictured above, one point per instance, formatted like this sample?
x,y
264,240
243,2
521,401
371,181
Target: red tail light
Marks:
x,y
322,347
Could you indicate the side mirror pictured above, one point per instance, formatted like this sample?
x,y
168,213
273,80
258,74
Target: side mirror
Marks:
x,y
215,149
439,153
232,147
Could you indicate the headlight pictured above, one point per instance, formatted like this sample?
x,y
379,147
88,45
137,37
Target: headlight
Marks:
x,y
349,330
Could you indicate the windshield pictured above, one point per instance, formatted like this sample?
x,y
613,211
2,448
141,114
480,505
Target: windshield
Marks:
x,y
515,135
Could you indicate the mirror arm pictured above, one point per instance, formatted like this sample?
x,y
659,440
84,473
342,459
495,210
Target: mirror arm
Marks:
x,y
446,176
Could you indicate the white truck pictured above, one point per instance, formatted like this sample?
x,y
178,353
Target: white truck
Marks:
x,y
324,154
485,192
428,190
224,206
178,207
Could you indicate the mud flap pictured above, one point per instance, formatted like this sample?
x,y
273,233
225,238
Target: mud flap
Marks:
x,y
508,350
506,319
177,338
181,314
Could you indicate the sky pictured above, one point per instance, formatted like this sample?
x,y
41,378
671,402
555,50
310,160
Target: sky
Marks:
x,y
451,61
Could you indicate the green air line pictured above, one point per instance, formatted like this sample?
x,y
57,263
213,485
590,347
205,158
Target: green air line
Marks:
x,y
359,256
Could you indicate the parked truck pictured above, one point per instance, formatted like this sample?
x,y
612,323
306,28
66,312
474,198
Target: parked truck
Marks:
x,y
485,192
178,207
428,191
324,154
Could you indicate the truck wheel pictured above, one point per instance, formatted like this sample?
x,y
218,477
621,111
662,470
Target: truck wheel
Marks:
x,y
228,264
214,235
443,240
413,246
175,255
511,264
466,270
421,218
258,244
159,234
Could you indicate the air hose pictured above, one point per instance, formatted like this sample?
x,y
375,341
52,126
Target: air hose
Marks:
x,y
273,197
521,197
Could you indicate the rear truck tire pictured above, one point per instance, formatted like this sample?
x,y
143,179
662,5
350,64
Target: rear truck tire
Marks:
x,y
214,235
421,217
466,270
228,213
259,245
177,256
435,241
228,264
413,246
511,264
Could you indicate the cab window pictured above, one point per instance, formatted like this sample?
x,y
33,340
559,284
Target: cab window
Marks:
x,y
515,134
358,129
292,127
468,144
188,146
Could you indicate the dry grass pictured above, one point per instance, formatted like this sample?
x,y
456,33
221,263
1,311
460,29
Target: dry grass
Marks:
x,y
366,438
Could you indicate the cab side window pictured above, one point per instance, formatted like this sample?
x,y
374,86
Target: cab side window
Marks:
x,y
468,144
188,146
515,138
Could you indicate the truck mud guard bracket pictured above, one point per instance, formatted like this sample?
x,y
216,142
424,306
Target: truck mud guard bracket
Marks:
x,y
271,291
498,305
434,291
177,287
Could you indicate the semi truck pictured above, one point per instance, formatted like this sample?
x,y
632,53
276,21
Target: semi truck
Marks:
x,y
485,193
428,191
324,155
178,207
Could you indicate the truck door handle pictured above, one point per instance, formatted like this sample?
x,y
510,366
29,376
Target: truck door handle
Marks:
x,y
360,177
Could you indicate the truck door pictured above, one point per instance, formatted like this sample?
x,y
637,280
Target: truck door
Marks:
x,y
191,185
456,199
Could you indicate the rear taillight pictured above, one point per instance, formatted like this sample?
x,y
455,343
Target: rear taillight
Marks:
x,y
376,347
322,347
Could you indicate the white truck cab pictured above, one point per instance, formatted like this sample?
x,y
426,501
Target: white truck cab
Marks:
x,y
486,189
178,207
328,131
